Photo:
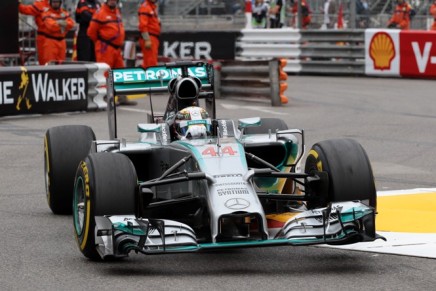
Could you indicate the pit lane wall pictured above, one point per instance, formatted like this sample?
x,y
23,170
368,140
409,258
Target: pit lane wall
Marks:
x,y
52,89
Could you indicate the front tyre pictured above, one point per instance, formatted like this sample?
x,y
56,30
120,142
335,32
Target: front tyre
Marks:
x,y
105,184
348,169
64,148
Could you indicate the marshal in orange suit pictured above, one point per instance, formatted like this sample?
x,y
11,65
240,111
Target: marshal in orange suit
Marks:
x,y
36,10
149,27
106,30
401,16
57,23
433,14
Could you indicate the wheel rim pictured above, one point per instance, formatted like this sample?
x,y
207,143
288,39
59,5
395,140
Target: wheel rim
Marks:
x,y
79,205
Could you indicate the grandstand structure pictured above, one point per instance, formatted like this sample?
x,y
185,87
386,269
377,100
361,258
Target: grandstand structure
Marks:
x,y
228,15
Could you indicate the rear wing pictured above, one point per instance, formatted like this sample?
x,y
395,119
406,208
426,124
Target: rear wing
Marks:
x,y
155,79
131,81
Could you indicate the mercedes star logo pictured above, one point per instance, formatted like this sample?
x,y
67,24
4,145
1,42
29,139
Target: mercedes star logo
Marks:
x,y
237,203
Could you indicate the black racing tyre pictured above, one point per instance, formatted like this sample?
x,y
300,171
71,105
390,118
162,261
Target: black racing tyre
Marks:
x,y
64,148
105,184
350,175
267,124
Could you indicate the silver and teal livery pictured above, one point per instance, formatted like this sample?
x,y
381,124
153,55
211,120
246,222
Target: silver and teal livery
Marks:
x,y
242,185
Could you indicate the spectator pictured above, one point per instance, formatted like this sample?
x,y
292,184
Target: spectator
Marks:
x,y
305,12
433,13
401,16
85,46
277,13
234,6
57,23
149,27
362,14
106,30
330,10
36,9
259,14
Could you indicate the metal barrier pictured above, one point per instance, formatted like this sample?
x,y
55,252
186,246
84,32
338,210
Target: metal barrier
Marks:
x,y
255,79
97,85
307,51
333,52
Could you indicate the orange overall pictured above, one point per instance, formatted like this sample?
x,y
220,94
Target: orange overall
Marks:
x,y
57,23
149,23
433,13
106,30
401,17
36,10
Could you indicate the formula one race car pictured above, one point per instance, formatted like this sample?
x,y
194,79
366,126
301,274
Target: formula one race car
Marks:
x,y
193,182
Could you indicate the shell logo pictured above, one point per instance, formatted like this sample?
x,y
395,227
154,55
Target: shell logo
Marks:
x,y
382,51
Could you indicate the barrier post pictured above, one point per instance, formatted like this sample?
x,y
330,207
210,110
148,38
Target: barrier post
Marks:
x,y
274,82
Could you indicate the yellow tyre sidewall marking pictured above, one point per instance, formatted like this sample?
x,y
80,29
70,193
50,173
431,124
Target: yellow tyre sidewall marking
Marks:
x,y
88,205
318,163
407,213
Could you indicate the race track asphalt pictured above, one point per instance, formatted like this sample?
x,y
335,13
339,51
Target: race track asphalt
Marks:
x,y
394,120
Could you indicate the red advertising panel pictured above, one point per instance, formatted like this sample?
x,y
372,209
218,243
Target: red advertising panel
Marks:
x,y
418,54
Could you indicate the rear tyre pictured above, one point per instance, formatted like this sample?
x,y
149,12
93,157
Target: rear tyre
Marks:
x,y
349,173
266,125
105,184
64,148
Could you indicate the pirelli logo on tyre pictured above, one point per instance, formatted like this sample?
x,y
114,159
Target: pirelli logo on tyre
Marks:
x,y
83,239
86,175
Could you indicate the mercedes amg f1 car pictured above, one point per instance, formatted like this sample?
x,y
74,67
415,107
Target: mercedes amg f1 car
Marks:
x,y
194,182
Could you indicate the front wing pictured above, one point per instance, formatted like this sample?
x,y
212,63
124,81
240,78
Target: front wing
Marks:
x,y
340,223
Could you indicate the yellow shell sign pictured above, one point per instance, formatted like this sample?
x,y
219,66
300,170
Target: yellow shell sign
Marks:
x,y
382,51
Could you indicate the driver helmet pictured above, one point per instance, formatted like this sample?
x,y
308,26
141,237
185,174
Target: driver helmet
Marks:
x,y
192,122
